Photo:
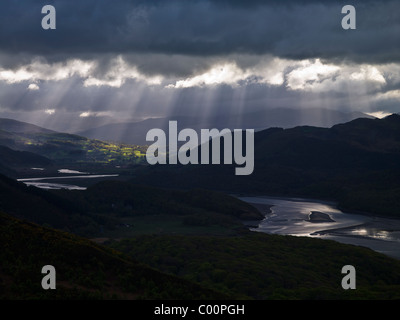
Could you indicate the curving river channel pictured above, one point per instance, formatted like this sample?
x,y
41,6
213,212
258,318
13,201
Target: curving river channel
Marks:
x,y
321,219
53,182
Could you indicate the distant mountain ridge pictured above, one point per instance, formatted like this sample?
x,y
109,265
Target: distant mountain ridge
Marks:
x,y
15,126
356,163
135,132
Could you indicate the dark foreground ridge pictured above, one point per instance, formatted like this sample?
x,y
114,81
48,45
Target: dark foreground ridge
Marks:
x,y
84,269
253,266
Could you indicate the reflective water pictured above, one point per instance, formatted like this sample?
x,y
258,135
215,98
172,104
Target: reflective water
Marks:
x,y
90,176
290,216
71,171
39,182
49,185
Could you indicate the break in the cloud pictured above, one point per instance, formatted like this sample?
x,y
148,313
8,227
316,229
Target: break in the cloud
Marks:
x,y
40,70
269,71
85,86
379,114
307,75
33,86
132,59
94,114
50,111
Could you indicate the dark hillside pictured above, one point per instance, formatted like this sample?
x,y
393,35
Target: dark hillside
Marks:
x,y
84,270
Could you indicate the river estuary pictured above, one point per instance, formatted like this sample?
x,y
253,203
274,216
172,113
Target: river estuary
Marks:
x,y
291,216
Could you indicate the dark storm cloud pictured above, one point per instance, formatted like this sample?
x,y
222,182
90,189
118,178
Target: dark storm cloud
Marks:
x,y
126,43
292,29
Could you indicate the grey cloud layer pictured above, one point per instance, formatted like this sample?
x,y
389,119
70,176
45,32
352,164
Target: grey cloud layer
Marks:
x,y
292,29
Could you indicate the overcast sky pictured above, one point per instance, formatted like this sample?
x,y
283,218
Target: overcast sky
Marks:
x,y
132,59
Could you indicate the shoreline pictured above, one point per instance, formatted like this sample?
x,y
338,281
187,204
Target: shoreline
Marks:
x,y
378,223
302,198
263,208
